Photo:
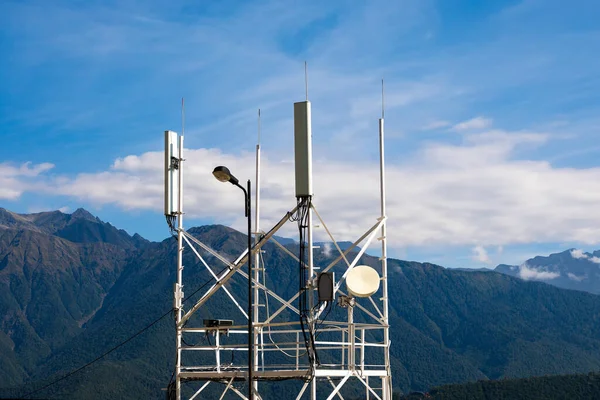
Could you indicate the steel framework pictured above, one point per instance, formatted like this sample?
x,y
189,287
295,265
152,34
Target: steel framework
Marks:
x,y
354,347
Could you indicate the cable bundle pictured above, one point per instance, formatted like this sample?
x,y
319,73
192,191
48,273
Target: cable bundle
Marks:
x,y
302,217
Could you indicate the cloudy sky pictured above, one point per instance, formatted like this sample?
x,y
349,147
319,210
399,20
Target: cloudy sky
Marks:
x,y
492,115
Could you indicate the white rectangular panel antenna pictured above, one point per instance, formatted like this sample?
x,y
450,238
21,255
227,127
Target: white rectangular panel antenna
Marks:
x,y
303,148
171,173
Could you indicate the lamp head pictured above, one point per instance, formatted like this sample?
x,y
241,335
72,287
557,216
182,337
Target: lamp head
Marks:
x,y
224,175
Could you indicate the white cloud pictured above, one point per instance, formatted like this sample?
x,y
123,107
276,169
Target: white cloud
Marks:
x,y
472,194
435,125
39,209
327,249
480,254
531,273
476,123
578,253
32,170
15,180
576,278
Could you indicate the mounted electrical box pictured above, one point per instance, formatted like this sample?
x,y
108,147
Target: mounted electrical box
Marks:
x,y
221,325
217,323
325,286
303,149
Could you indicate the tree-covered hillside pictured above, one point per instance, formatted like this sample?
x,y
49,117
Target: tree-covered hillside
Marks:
x,y
561,387
447,326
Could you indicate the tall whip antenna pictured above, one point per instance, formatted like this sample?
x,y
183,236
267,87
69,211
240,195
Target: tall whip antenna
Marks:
x,y
306,79
382,100
182,116
258,127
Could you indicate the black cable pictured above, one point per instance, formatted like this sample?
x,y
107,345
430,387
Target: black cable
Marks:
x,y
329,307
171,223
100,357
203,285
302,217
311,327
117,346
187,344
169,385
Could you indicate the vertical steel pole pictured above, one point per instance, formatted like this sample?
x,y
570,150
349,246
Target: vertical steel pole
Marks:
x,y
179,289
250,303
311,321
362,352
297,350
387,382
343,349
257,255
352,339
218,349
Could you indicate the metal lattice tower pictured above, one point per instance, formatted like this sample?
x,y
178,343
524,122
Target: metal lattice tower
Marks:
x,y
353,346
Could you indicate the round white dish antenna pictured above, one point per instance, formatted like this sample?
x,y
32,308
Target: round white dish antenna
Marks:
x,y
362,281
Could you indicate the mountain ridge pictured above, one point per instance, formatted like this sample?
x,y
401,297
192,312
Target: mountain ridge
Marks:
x,y
569,269
447,326
50,285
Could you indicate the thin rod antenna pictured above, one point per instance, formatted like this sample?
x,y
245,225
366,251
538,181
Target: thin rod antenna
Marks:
x,y
182,116
382,100
257,255
387,381
306,79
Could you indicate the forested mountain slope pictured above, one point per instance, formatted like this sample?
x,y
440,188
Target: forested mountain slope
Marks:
x,y
448,326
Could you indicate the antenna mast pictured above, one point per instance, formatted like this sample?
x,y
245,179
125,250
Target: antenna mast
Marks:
x,y
386,381
257,255
174,211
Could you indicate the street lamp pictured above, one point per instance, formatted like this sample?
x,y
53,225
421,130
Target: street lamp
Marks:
x,y
224,175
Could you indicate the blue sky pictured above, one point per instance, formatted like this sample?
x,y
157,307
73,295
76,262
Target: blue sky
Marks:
x,y
492,115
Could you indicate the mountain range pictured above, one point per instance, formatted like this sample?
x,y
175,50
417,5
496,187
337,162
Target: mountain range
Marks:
x,y
570,269
55,271
73,287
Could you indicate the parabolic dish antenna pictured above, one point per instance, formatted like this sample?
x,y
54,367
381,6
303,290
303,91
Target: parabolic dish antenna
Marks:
x,y
362,281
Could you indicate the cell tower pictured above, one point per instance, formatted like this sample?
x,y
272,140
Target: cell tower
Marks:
x,y
326,356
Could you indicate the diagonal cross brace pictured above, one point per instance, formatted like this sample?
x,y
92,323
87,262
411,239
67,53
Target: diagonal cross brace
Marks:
x,y
360,254
339,386
331,265
237,264
370,235
368,387
244,274
341,252
215,276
